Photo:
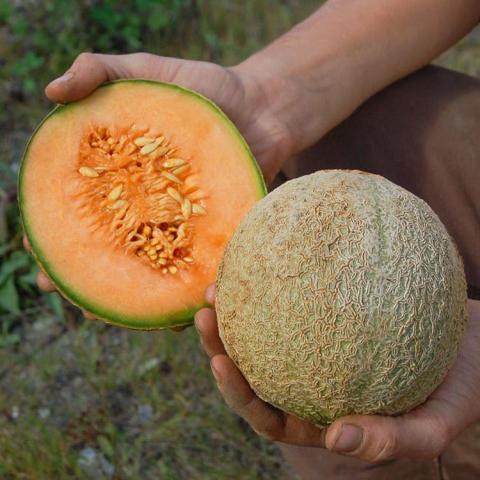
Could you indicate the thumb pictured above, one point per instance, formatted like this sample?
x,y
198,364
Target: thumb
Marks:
x,y
376,439
89,70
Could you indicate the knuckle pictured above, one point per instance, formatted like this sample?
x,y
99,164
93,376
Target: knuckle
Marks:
x,y
85,57
145,57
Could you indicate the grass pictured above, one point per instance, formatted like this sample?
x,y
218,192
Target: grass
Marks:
x,y
147,401
83,400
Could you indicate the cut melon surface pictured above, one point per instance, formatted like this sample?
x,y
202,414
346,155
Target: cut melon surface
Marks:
x,y
129,196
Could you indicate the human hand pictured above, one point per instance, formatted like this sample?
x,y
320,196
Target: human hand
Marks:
x,y
422,433
235,91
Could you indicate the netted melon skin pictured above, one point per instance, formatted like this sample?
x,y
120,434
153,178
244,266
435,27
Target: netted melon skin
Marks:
x,y
342,293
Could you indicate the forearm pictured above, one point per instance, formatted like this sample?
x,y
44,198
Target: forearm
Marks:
x,y
321,71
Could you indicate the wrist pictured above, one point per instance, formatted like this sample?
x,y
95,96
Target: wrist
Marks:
x,y
305,107
316,75
269,128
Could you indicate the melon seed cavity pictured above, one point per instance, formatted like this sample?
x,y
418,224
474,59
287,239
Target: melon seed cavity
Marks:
x,y
134,188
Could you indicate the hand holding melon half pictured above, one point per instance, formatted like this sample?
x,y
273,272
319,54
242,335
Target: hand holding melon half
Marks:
x,y
129,196
341,295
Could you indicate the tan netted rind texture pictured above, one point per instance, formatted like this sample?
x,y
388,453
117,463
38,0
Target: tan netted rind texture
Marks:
x,y
342,293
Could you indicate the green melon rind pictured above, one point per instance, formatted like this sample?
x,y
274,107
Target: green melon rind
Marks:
x,y
175,319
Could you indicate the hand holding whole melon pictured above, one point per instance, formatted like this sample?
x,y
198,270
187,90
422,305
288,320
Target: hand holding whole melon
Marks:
x,y
342,300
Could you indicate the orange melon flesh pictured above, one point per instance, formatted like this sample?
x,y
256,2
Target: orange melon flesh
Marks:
x,y
87,267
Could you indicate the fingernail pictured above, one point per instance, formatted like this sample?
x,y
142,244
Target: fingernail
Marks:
x,y
349,439
66,77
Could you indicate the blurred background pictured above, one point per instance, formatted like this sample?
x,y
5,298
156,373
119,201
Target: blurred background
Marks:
x,y
79,399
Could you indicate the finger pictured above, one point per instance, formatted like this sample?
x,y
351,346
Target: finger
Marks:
x,y
89,70
266,420
26,244
210,294
376,439
263,418
206,324
44,282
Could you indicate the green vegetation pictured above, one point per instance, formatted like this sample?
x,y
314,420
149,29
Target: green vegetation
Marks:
x,y
146,401
80,398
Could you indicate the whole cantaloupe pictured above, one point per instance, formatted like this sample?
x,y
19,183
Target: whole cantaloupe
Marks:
x,y
341,293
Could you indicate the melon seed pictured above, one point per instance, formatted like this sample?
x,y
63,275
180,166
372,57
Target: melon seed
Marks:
x,y
197,209
88,172
119,204
174,162
142,141
149,148
181,231
175,194
172,177
159,152
186,208
115,193
197,195
180,170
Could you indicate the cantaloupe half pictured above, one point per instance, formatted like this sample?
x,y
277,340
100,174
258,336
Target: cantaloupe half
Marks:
x,y
129,196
